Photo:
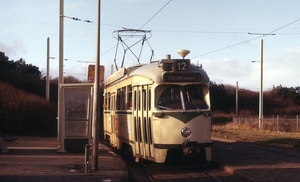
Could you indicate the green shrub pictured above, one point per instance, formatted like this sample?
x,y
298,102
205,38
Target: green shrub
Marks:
x,y
22,113
219,118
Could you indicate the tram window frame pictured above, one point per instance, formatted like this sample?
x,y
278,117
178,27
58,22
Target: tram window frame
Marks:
x,y
150,130
118,99
145,130
105,102
149,99
129,97
205,92
113,102
144,99
121,93
139,100
134,101
123,98
108,101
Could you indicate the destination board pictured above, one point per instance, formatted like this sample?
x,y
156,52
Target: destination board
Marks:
x,y
179,77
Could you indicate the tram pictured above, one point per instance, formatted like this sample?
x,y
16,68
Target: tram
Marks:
x,y
152,109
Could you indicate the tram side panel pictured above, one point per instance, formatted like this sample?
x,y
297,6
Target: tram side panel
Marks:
x,y
107,116
113,128
143,144
118,119
124,115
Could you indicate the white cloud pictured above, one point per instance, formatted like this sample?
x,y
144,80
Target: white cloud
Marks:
x,y
18,46
13,50
6,49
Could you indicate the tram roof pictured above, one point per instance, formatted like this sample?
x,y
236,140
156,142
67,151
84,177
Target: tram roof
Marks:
x,y
154,72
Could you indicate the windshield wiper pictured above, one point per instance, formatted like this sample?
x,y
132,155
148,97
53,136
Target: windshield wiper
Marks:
x,y
198,109
163,107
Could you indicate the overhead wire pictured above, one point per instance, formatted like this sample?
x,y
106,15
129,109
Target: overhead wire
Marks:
x,y
156,14
273,31
200,32
217,50
142,25
78,19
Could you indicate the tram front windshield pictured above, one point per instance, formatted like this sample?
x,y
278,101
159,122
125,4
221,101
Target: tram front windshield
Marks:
x,y
175,97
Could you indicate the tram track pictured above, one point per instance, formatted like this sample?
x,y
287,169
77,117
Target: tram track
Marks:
x,y
192,171
167,172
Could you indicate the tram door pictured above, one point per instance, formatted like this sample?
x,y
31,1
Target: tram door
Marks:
x,y
142,125
113,119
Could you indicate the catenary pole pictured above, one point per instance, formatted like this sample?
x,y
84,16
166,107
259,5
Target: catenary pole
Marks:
x,y
96,114
61,77
260,112
47,72
260,116
237,98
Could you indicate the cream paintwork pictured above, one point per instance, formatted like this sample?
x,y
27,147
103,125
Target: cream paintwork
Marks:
x,y
122,127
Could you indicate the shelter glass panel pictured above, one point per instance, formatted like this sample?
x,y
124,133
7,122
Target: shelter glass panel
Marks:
x,y
76,112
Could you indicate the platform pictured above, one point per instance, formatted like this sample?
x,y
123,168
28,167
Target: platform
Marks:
x,y
37,159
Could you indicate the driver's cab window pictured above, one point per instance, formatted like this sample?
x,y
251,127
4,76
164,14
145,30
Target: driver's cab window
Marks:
x,y
170,98
175,97
193,97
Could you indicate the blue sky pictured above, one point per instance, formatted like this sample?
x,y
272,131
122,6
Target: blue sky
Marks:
x,y
215,31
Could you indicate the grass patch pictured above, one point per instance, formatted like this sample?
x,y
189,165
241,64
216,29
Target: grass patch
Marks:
x,y
253,135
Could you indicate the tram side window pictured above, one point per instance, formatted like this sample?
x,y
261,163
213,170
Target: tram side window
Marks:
x,y
118,99
113,103
129,97
123,96
121,99
108,102
105,101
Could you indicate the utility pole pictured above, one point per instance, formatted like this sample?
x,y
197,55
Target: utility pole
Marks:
x,y
47,72
260,115
261,105
96,102
61,126
237,99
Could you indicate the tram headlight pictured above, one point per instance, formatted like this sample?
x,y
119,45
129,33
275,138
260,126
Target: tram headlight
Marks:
x,y
186,132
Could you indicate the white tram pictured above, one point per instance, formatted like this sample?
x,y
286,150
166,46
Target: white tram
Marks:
x,y
153,108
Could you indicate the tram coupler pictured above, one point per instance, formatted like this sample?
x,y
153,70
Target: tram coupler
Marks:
x,y
87,157
190,149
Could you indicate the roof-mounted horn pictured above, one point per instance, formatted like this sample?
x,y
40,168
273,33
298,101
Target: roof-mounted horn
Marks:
x,y
183,53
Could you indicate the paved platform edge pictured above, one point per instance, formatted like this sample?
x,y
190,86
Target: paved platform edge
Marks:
x,y
231,170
